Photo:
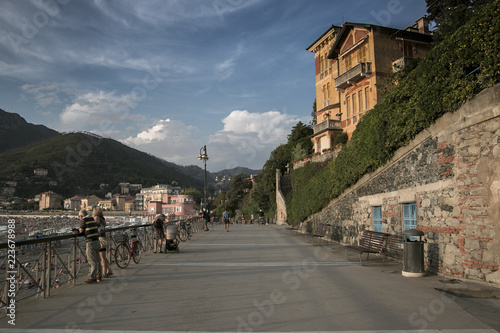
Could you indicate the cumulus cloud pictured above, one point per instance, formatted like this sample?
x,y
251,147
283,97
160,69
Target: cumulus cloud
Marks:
x,y
168,139
246,139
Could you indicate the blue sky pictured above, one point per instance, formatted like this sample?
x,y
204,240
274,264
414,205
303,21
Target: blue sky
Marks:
x,y
169,76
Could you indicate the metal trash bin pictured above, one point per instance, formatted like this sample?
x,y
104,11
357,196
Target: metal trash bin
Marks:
x,y
413,254
172,241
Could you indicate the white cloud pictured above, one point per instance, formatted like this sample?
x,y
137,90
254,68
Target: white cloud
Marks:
x,y
100,111
247,139
168,139
225,69
49,93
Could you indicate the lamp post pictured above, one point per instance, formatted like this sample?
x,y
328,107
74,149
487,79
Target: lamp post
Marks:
x,y
204,157
223,179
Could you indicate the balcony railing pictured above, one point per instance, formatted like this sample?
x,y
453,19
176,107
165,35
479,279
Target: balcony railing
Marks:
x,y
400,63
329,124
353,75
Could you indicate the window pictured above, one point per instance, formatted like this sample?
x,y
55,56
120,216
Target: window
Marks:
x,y
408,50
321,65
324,93
410,217
360,100
348,104
178,209
377,218
354,103
328,90
362,54
347,62
367,98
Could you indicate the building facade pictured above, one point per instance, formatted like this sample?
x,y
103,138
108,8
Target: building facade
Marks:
x,y
352,63
173,206
50,200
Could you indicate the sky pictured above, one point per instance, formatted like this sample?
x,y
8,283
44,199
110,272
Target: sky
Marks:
x,y
168,77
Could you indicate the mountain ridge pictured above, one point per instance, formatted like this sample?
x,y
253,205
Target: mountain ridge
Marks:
x,y
16,132
81,162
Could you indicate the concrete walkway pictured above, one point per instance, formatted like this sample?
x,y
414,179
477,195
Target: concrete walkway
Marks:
x,y
256,278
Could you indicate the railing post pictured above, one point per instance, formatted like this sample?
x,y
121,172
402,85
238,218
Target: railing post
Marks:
x,y
74,260
49,268
44,270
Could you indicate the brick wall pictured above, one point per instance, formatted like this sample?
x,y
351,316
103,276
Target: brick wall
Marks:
x,y
451,171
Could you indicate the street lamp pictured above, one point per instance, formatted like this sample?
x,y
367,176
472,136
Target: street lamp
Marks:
x,y
223,179
204,157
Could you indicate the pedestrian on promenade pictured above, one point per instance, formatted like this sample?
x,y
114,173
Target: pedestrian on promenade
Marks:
x,y
261,216
89,228
158,232
206,217
225,217
103,240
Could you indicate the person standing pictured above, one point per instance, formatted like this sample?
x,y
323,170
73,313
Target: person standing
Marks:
x,y
101,227
261,216
206,217
89,228
159,233
225,217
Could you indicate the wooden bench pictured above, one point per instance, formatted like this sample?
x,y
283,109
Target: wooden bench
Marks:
x,y
370,242
394,247
320,232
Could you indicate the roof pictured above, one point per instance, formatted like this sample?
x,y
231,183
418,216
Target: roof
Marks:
x,y
326,32
348,26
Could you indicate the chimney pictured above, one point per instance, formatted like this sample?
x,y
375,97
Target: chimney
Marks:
x,y
423,25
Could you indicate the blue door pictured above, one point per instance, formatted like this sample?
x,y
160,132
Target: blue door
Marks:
x,y
377,218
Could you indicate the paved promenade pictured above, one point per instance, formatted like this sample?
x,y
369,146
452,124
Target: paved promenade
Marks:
x,y
256,278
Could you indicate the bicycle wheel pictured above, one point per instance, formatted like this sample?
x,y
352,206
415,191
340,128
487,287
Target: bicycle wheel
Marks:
x,y
183,234
136,255
122,257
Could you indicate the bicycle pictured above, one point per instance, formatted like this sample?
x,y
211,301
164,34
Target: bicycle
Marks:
x,y
124,251
185,231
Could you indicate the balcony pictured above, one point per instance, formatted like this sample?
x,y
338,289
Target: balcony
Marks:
x,y
400,63
329,124
353,75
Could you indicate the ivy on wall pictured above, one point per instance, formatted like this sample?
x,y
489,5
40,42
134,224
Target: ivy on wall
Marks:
x,y
452,73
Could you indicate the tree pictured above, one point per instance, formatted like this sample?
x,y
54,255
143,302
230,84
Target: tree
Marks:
x,y
314,119
449,15
301,135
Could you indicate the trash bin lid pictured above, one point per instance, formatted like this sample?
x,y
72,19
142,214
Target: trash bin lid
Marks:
x,y
413,232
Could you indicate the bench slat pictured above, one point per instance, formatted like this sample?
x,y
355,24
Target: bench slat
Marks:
x,y
370,242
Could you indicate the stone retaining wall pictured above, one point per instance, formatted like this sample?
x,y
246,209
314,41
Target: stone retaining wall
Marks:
x,y
452,172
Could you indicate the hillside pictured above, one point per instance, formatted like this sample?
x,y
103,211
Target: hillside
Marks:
x,y
80,163
15,132
197,172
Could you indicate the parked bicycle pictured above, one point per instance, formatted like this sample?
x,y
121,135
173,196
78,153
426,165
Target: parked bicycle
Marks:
x,y
185,231
128,248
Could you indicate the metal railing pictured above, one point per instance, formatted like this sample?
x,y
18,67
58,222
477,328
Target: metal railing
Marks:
x,y
353,75
327,124
43,264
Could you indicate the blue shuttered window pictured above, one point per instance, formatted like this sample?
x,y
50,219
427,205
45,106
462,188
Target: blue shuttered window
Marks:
x,y
377,218
410,217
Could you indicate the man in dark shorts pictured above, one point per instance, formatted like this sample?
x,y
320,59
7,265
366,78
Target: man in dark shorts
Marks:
x,y
158,232
225,217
